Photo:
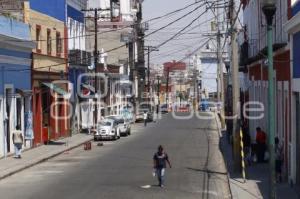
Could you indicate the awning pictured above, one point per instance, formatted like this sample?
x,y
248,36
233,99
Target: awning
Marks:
x,y
55,88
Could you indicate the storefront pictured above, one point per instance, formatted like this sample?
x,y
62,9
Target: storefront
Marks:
x,y
293,28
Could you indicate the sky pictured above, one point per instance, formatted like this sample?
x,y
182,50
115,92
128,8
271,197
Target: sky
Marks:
x,y
193,40
186,43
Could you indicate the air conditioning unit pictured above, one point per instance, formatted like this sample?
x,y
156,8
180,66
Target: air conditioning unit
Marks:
x,y
74,57
86,58
79,57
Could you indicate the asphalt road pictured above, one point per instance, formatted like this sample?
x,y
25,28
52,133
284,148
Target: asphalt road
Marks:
x,y
123,169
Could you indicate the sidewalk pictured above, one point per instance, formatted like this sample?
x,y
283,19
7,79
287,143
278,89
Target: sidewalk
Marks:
x,y
10,165
257,182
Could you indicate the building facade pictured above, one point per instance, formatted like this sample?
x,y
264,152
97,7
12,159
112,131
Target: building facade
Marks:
x,y
253,63
293,28
15,83
49,69
79,61
118,46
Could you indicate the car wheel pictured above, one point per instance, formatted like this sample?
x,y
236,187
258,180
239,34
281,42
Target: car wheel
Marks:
x,y
129,132
118,134
95,139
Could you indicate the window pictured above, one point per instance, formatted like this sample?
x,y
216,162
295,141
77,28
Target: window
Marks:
x,y
38,38
49,42
19,113
58,44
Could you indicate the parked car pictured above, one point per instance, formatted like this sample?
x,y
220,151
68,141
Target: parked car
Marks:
x,y
140,115
164,108
142,109
212,107
106,129
203,106
123,125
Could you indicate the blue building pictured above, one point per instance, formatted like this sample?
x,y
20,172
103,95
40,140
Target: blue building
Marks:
x,y
79,60
293,28
15,81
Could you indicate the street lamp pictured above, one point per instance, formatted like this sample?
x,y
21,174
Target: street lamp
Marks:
x,y
269,9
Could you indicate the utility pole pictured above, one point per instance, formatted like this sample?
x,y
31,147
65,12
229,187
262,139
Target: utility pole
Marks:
x,y
220,78
195,87
180,89
96,54
158,92
269,9
149,50
235,87
167,87
148,69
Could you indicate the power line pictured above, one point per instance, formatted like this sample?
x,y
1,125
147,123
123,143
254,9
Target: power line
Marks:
x,y
178,33
116,48
176,20
187,56
175,11
113,30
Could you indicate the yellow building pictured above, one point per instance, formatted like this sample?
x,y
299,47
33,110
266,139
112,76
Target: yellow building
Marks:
x,y
49,64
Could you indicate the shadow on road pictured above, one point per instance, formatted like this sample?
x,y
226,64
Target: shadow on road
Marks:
x,y
207,171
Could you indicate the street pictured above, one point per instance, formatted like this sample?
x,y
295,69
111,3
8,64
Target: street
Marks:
x,y
123,169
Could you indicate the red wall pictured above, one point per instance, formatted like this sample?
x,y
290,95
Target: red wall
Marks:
x,y
41,134
174,66
281,66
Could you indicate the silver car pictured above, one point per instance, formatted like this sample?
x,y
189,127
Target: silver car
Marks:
x,y
123,125
106,129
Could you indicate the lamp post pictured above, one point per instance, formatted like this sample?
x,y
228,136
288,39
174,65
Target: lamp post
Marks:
x,y
269,9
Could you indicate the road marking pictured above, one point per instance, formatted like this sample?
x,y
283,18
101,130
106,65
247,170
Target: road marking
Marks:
x,y
146,187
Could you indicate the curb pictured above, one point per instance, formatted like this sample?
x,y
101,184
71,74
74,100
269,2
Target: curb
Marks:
x,y
221,148
42,160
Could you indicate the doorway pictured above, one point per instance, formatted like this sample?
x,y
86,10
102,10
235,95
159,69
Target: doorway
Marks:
x,y
297,103
8,104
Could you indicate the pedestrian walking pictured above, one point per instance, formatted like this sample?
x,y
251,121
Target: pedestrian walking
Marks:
x,y
160,160
278,160
261,144
145,118
229,126
17,141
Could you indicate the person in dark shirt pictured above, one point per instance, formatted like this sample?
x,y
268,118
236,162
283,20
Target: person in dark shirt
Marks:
x,y
160,160
261,144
